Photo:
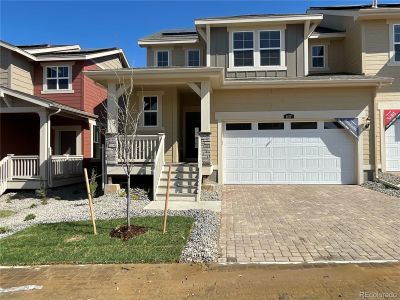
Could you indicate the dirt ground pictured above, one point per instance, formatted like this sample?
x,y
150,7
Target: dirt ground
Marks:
x,y
181,281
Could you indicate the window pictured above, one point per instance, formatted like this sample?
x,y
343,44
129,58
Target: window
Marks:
x,y
270,126
270,48
57,78
243,49
396,40
193,58
150,111
303,125
162,58
96,142
318,56
238,126
332,125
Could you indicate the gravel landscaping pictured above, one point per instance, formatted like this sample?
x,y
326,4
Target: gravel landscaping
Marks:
x,y
390,178
379,187
70,204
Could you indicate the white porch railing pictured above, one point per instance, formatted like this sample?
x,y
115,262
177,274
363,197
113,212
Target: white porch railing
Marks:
x,y
158,164
144,148
200,166
66,166
4,174
24,166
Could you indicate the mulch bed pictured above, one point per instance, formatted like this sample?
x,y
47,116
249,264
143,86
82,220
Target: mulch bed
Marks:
x,y
125,233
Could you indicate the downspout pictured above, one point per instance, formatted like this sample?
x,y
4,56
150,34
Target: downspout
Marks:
x,y
376,120
50,182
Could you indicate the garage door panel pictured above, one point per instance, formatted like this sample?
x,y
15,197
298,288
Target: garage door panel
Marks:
x,y
289,156
392,141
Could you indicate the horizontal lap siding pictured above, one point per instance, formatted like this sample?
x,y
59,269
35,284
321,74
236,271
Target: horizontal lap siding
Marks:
x,y
71,99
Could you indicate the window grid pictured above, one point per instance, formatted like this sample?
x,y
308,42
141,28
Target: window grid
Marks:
x,y
396,41
150,111
270,48
193,58
243,48
318,56
57,78
162,58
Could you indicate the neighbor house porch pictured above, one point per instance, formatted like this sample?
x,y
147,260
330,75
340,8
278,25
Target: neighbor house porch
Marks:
x,y
41,142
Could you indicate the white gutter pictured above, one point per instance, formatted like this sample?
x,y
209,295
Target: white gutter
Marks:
x,y
166,42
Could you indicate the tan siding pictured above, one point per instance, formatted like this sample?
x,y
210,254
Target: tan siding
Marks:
x,y
316,99
21,74
335,61
109,62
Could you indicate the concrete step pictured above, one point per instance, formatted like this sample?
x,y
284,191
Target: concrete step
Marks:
x,y
177,197
178,182
182,168
180,175
177,190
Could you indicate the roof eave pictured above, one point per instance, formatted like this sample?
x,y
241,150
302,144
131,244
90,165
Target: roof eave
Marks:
x,y
165,42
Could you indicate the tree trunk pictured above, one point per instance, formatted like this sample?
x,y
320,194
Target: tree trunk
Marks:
x,y
128,201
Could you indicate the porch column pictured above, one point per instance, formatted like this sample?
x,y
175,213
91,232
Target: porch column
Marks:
x,y
43,145
205,106
112,108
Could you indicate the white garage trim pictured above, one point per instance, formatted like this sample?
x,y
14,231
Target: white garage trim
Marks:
x,y
222,117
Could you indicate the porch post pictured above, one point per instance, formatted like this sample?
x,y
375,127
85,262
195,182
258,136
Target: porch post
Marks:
x,y
112,108
43,145
205,106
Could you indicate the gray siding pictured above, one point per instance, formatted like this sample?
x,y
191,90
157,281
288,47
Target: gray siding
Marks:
x,y
5,61
219,50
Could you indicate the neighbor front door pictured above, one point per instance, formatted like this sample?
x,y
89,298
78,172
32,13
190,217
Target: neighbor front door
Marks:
x,y
192,129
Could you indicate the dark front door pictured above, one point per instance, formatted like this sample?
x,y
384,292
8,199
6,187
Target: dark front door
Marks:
x,y
68,142
193,123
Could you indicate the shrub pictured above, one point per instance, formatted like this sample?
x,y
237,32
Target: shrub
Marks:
x,y
122,193
30,217
135,197
8,200
34,205
4,229
41,192
93,183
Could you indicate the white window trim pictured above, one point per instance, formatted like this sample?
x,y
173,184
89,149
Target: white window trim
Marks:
x,y
392,62
281,48
256,48
325,57
156,57
57,91
92,124
187,56
159,95
57,139
232,51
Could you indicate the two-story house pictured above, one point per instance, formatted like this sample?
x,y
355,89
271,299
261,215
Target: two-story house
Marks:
x,y
252,99
371,46
48,112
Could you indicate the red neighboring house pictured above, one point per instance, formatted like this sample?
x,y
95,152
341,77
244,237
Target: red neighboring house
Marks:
x,y
49,110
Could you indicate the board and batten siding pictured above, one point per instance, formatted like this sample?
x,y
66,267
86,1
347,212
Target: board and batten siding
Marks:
x,y
177,54
292,100
294,47
5,61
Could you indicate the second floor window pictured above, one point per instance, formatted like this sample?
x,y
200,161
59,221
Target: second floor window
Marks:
x,y
193,58
58,78
243,49
396,38
318,56
162,58
270,48
150,111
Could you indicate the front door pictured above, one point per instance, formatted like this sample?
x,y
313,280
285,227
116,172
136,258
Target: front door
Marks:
x,y
68,142
193,123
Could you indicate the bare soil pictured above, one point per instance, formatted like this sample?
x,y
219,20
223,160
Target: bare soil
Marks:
x,y
183,281
127,232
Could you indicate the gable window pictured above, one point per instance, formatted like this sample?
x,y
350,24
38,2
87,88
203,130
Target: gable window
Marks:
x,y
396,40
162,58
318,56
57,78
193,58
243,49
150,111
270,48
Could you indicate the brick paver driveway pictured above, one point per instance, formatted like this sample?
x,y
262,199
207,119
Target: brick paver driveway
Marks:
x,y
294,223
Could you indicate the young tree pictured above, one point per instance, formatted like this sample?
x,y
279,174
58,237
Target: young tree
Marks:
x,y
128,116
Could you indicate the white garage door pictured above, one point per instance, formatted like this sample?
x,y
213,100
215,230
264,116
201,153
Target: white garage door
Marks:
x,y
288,153
392,145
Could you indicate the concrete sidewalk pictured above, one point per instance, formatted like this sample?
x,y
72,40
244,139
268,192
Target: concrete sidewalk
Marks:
x,y
182,281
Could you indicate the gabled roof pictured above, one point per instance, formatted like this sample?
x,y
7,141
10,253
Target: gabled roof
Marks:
x,y
177,36
355,7
46,103
69,52
325,32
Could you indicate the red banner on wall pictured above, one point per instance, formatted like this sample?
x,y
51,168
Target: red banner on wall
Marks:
x,y
390,116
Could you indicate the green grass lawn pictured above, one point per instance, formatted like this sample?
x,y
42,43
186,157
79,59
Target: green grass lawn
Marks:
x,y
73,242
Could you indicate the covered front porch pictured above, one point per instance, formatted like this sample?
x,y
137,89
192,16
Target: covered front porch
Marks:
x,y
41,142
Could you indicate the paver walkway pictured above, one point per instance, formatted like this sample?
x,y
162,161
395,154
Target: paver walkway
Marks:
x,y
293,223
